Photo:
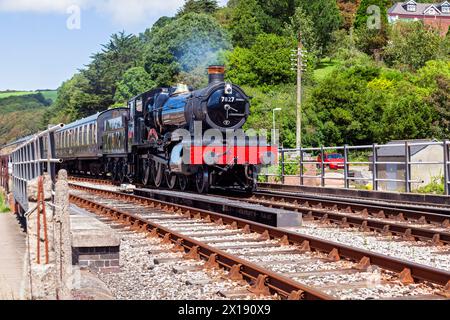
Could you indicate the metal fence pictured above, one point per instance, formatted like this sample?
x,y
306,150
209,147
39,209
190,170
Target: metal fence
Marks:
x,y
30,160
396,166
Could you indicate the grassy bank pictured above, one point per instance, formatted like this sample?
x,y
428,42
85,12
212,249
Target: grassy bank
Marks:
x,y
3,207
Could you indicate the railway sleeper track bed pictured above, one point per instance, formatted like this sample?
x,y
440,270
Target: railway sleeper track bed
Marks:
x,y
438,209
153,270
274,261
411,223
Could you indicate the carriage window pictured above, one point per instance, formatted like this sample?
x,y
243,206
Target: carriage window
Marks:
x,y
139,105
94,130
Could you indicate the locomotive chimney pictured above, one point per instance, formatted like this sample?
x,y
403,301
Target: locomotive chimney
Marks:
x,y
216,74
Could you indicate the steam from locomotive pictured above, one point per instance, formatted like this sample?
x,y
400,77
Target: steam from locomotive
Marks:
x,y
173,137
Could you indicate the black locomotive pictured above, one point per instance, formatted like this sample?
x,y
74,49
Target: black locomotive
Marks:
x,y
173,136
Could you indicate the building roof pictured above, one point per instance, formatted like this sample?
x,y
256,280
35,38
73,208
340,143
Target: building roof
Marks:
x,y
400,8
399,151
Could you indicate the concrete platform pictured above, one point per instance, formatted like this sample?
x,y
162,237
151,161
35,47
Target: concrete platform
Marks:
x,y
12,255
95,245
253,212
87,231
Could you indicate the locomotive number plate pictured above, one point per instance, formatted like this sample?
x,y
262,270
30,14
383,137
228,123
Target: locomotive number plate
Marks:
x,y
228,99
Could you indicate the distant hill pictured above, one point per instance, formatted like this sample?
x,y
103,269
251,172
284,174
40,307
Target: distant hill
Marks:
x,y
48,94
21,112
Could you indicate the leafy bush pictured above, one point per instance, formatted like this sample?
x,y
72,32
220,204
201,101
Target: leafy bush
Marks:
x,y
435,187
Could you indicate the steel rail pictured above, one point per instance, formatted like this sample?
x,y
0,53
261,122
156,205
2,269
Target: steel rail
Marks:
x,y
420,204
418,271
357,204
393,225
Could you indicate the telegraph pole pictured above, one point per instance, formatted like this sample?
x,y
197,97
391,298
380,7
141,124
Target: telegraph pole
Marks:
x,y
298,58
299,91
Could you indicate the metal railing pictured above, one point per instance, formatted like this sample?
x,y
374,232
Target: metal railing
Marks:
x,y
399,157
32,159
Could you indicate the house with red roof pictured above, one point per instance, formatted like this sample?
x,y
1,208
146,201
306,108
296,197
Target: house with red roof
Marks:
x,y
433,14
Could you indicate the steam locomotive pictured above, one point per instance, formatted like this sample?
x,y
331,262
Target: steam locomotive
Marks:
x,y
174,136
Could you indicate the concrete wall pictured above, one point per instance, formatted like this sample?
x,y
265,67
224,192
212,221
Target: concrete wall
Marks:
x,y
423,173
426,173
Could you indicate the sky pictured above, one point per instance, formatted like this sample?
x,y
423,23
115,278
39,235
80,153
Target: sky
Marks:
x,y
44,42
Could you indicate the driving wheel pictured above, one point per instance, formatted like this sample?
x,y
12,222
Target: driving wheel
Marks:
x,y
183,181
202,180
159,174
171,180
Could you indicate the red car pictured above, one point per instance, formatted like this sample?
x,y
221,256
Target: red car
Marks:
x,y
334,161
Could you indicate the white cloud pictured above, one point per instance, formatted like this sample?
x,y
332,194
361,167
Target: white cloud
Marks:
x,y
43,6
124,12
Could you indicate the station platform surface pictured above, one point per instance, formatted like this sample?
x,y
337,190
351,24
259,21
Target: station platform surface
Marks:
x,y
88,232
12,254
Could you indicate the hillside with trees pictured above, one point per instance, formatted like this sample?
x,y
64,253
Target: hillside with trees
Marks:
x,y
360,85
21,113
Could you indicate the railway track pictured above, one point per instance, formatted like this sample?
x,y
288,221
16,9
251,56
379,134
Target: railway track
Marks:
x,y
407,223
420,203
273,260
410,224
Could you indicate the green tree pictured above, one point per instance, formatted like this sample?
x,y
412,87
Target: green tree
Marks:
x,y
363,14
267,62
439,101
371,25
347,112
278,13
326,17
73,101
406,37
246,23
407,116
434,80
301,23
135,81
107,68
198,6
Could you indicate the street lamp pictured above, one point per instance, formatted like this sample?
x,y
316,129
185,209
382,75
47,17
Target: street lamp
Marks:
x,y
274,129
